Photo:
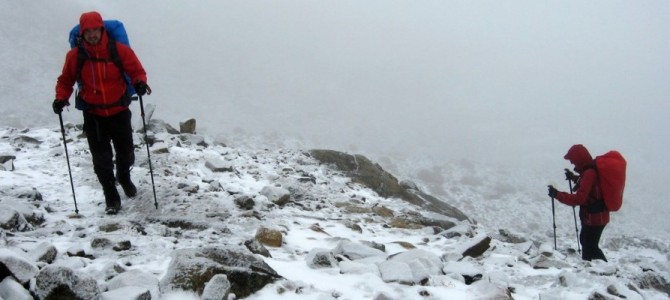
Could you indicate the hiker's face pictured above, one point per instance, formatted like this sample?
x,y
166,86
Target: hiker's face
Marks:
x,y
93,35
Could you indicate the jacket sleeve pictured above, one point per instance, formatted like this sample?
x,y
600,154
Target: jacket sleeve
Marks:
x,y
581,197
131,64
68,77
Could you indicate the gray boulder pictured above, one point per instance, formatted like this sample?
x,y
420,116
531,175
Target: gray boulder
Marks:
x,y
137,279
191,269
44,252
59,282
411,267
354,251
320,258
15,265
10,289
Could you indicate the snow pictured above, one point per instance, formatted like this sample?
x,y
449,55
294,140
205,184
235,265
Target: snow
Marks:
x,y
192,181
368,274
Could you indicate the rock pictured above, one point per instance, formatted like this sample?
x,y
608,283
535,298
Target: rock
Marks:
x,y
122,246
14,264
18,215
477,246
191,269
354,251
470,271
218,165
187,126
393,271
137,279
363,171
181,222
10,289
458,231
160,148
544,262
129,293
58,282
9,218
483,289
22,141
358,267
245,202
192,139
257,248
269,237
44,252
101,243
159,126
320,258
7,162
509,237
411,267
546,249
31,194
276,195
216,288
653,280
382,211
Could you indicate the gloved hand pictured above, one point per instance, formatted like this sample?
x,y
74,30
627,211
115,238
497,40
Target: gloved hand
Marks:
x,y
142,88
570,176
552,191
58,105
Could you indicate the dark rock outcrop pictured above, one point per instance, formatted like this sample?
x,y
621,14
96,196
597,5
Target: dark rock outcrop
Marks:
x,y
365,172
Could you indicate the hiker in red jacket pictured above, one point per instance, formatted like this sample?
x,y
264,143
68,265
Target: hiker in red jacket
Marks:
x,y
104,99
592,211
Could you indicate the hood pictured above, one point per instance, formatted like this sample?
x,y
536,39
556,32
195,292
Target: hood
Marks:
x,y
90,20
579,156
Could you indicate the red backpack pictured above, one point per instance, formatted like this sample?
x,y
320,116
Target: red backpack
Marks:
x,y
611,169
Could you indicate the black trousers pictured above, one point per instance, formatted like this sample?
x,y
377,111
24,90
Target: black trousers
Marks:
x,y
589,237
101,133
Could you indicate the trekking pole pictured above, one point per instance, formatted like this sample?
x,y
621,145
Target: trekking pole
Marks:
x,y
146,141
67,157
574,214
553,214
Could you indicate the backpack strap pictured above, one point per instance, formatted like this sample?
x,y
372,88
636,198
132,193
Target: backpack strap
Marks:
x,y
598,204
82,56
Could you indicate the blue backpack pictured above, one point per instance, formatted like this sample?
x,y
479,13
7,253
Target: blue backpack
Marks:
x,y
115,32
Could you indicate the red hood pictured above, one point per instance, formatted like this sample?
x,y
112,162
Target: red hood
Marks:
x,y
90,20
579,156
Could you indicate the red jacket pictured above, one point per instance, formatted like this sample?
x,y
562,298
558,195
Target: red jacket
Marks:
x,y
588,195
102,81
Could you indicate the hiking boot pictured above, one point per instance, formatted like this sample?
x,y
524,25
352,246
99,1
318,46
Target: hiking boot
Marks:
x,y
128,188
112,198
111,210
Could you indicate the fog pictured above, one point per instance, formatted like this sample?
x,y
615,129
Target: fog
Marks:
x,y
506,82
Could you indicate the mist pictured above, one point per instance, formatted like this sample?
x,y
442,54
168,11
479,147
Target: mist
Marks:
x,y
505,82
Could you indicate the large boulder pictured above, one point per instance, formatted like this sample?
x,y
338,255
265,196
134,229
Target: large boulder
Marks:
x,y
411,267
138,279
192,269
17,266
59,282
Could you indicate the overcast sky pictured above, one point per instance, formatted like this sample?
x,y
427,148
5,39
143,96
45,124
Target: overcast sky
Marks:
x,y
506,81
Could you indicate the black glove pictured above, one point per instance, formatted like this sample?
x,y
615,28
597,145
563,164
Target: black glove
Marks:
x,y
552,191
141,88
58,105
570,176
